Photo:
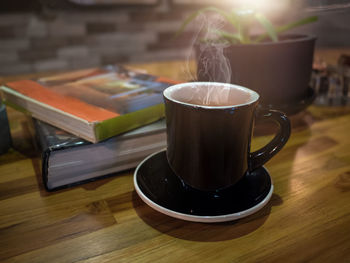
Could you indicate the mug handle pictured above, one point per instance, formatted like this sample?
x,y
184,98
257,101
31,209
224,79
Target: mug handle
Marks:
x,y
261,156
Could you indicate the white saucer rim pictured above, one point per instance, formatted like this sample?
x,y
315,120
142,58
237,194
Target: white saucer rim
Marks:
x,y
194,218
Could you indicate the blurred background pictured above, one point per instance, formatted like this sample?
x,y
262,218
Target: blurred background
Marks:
x,y
53,35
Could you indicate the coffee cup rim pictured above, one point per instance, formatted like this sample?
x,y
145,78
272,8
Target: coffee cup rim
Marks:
x,y
254,95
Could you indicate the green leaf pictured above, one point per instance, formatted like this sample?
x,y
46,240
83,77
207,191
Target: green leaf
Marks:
x,y
230,37
244,19
300,22
289,26
227,15
270,30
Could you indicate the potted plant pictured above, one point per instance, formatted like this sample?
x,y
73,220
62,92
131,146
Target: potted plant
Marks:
x,y
276,65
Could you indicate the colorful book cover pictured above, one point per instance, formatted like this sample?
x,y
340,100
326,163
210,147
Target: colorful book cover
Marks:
x,y
94,104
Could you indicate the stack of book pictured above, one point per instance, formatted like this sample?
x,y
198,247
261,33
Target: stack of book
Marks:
x,y
92,123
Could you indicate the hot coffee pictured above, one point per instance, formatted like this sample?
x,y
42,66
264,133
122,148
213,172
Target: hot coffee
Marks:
x,y
212,94
209,127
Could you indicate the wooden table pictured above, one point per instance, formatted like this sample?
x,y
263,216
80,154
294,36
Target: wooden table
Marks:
x,y
307,219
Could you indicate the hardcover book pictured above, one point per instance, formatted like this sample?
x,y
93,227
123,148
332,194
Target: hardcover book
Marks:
x,y
69,160
93,104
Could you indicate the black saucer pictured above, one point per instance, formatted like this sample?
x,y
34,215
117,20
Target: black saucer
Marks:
x,y
161,189
294,107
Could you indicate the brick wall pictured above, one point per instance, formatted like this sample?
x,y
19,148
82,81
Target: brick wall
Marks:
x,y
71,38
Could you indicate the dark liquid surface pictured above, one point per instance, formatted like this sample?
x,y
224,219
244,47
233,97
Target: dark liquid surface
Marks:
x,y
231,102
212,96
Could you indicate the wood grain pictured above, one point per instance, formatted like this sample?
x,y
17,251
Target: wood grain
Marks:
x,y
307,219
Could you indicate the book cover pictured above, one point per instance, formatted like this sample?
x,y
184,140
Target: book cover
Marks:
x,y
93,104
68,160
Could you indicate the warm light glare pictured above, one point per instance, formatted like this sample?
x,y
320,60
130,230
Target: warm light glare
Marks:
x,y
254,4
264,6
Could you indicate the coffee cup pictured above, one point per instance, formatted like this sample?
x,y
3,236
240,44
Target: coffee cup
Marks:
x,y
209,130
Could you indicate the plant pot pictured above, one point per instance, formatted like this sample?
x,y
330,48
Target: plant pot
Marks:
x,y
279,71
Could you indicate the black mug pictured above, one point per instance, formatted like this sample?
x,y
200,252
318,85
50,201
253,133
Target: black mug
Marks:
x,y
209,130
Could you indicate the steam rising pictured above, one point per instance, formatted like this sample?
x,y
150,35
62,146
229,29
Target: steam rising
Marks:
x,y
216,65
